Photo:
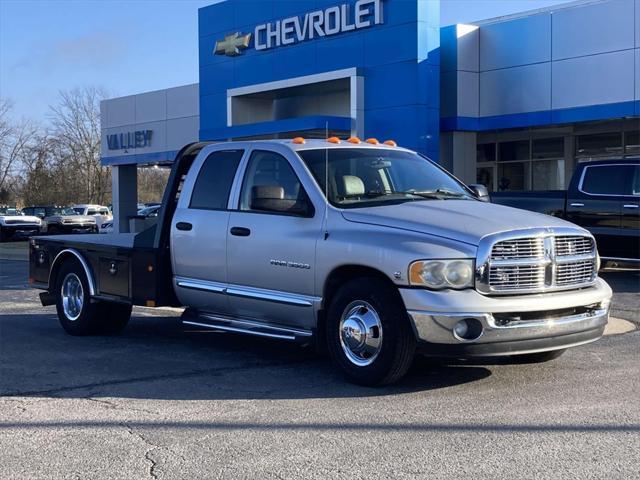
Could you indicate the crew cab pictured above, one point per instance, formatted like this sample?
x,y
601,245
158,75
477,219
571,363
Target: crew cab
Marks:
x,y
369,250
61,220
604,198
15,224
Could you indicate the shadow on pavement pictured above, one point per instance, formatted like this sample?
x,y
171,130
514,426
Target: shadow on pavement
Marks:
x,y
158,357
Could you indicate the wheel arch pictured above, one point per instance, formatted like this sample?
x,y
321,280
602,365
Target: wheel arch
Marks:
x,y
344,273
65,255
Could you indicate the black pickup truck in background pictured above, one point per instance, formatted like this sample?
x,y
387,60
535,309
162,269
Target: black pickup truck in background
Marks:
x,y
604,198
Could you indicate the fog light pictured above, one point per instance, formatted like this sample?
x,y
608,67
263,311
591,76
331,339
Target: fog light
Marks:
x,y
468,330
461,329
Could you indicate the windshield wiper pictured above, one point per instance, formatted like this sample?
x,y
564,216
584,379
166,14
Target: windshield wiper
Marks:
x,y
438,193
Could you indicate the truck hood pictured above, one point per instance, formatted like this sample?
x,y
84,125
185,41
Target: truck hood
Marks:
x,y
461,220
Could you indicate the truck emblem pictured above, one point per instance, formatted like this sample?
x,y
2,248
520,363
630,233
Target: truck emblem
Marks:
x,y
232,45
284,263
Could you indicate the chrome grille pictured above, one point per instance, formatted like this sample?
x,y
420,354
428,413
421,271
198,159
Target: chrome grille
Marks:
x,y
573,245
537,260
575,272
516,277
518,248
18,222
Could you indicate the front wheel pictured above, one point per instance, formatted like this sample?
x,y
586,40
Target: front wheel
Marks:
x,y
368,332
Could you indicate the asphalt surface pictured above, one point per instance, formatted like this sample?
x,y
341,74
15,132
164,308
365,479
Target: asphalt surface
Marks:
x,y
165,401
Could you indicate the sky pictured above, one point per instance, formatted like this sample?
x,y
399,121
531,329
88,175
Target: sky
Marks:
x,y
129,46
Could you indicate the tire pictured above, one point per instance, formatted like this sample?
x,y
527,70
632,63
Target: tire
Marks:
x,y
88,318
390,340
114,317
77,315
540,357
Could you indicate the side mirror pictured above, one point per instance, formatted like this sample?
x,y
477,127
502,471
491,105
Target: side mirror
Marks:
x,y
480,191
271,199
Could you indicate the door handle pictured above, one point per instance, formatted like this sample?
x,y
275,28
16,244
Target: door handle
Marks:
x,y
631,205
577,204
184,226
240,231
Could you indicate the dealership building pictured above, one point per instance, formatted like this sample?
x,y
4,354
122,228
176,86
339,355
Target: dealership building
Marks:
x,y
512,102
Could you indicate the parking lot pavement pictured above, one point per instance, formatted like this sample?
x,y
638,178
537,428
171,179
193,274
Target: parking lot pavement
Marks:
x,y
165,401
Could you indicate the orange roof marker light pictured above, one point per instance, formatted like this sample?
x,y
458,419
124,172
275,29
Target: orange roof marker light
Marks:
x,y
355,140
298,141
390,143
333,140
373,141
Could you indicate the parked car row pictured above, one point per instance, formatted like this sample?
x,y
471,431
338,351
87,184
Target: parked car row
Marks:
x,y
18,223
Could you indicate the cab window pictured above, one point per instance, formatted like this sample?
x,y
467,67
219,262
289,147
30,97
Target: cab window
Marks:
x,y
271,186
213,185
609,179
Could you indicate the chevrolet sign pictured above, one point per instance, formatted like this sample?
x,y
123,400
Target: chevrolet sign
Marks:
x,y
317,24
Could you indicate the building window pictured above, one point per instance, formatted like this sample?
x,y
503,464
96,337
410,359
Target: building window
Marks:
x,y
547,148
485,177
486,152
513,176
547,175
632,142
599,144
510,151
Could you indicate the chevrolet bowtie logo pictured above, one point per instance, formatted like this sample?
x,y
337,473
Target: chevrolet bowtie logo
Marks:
x,y
232,45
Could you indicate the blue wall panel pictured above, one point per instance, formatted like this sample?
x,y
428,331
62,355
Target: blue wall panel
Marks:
x,y
399,60
570,63
593,29
516,42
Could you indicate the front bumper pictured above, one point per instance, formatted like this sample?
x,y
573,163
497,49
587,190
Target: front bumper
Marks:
x,y
78,228
20,230
511,325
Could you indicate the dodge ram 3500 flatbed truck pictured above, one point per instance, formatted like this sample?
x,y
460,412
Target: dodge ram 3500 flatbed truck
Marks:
x,y
367,249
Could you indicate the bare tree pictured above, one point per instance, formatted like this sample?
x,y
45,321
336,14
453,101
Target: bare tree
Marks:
x,y
15,138
75,137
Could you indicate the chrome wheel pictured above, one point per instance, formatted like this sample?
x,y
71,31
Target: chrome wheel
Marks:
x,y
360,333
72,296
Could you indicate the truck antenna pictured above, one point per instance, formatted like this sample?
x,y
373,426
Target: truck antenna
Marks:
x,y
326,184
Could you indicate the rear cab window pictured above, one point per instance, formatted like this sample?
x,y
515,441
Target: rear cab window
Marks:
x,y
214,181
619,179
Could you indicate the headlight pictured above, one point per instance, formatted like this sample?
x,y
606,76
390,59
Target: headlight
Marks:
x,y
439,274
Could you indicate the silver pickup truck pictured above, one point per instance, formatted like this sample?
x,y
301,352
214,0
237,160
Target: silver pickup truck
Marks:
x,y
366,249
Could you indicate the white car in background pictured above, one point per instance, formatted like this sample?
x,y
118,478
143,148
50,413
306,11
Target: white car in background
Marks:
x,y
15,224
101,213
144,214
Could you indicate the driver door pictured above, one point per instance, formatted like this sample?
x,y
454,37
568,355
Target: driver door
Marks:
x,y
271,254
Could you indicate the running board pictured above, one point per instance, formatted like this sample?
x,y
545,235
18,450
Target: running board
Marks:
x,y
249,327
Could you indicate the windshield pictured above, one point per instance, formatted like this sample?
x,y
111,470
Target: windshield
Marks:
x,y
61,211
149,211
364,177
10,211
